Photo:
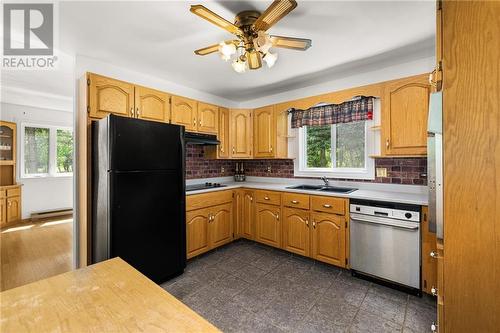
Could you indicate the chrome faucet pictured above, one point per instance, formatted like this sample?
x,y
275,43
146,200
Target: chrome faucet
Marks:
x,y
325,180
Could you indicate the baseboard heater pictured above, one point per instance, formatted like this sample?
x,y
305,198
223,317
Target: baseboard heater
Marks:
x,y
51,213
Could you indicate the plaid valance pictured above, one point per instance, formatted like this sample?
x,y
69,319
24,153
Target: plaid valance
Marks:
x,y
357,109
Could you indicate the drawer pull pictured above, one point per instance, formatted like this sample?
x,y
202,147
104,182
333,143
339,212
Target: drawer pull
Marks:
x,y
434,327
434,254
434,291
266,198
314,224
295,202
327,206
307,223
277,215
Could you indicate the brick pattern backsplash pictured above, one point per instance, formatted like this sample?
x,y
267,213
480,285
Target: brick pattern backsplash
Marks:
x,y
399,170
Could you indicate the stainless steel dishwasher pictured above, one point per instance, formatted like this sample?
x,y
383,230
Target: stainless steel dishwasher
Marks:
x,y
385,242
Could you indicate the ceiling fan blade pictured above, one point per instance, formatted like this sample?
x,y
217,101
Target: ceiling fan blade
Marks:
x,y
275,12
207,50
211,17
293,43
254,60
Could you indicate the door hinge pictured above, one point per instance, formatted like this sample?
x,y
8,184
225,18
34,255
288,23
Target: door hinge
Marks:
x,y
88,82
346,261
439,4
346,224
88,108
439,66
170,100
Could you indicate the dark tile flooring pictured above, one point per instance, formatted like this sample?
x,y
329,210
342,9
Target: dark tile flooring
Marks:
x,y
248,287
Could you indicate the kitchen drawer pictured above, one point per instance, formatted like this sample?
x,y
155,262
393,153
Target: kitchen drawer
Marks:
x,y
328,205
197,201
268,197
12,192
296,200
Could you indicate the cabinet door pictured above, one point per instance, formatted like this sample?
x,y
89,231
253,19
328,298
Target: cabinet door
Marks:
x,y
248,215
208,118
3,212
110,96
151,104
328,238
13,209
296,235
197,232
405,118
264,126
268,226
184,112
429,264
221,225
223,134
241,133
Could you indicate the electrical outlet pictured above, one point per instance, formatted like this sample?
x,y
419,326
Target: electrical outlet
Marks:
x,y
268,168
222,170
381,172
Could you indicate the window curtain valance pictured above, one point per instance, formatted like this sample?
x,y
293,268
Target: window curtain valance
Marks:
x,y
357,109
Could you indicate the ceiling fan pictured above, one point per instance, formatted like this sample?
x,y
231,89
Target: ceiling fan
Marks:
x,y
253,43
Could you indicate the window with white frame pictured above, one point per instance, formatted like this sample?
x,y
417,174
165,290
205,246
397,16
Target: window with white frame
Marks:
x,y
46,151
337,151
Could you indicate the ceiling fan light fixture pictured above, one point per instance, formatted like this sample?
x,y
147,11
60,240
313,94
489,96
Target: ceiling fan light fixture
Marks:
x,y
227,50
263,42
239,66
270,59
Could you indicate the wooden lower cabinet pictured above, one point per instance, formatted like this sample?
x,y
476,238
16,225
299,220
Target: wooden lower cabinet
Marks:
x,y
296,232
197,232
268,225
221,225
328,238
3,212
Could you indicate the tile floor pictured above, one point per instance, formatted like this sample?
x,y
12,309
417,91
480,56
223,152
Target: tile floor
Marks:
x,y
248,287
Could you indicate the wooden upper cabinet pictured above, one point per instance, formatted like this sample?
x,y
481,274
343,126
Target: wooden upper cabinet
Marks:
x,y
241,133
184,112
197,225
264,126
296,235
152,104
208,118
223,134
107,96
221,225
405,112
328,238
267,223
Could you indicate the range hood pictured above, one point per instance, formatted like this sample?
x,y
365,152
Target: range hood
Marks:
x,y
201,139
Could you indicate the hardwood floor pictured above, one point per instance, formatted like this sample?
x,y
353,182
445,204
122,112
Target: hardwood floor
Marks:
x,y
34,251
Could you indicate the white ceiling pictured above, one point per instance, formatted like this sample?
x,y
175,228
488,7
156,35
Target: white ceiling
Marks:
x,y
158,38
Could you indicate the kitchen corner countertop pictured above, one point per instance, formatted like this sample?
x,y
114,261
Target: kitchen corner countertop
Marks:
x,y
110,296
365,194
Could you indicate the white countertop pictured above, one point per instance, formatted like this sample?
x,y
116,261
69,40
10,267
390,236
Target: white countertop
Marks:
x,y
407,194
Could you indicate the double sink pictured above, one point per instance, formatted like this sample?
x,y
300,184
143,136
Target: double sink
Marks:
x,y
323,188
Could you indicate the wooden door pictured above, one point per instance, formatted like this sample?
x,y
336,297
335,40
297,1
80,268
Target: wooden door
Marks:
x,y
328,238
248,215
264,137
184,112
268,226
3,212
296,235
13,209
197,232
221,225
241,133
208,118
404,124
107,96
223,134
152,104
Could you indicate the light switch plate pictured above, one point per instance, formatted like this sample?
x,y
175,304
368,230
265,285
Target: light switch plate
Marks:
x,y
381,172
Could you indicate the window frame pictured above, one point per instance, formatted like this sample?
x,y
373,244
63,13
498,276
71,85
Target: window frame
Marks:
x,y
52,170
367,173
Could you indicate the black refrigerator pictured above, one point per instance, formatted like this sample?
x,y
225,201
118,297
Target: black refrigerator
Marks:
x,y
138,195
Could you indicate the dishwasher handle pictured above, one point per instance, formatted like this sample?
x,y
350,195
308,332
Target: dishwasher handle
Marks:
x,y
384,221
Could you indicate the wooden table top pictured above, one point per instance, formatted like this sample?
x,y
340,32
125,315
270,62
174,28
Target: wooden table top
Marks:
x,y
110,296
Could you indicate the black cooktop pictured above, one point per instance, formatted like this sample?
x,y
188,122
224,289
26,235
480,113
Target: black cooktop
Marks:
x,y
203,186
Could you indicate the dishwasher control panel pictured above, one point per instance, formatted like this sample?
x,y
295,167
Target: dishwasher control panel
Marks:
x,y
386,209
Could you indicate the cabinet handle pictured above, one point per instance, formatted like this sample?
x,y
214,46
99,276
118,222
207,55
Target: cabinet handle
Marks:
x,y
327,206
277,216
271,149
221,149
233,149
294,202
9,203
314,224
137,112
194,121
434,291
266,198
251,198
199,122
386,143
132,112
434,327
307,223
434,254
